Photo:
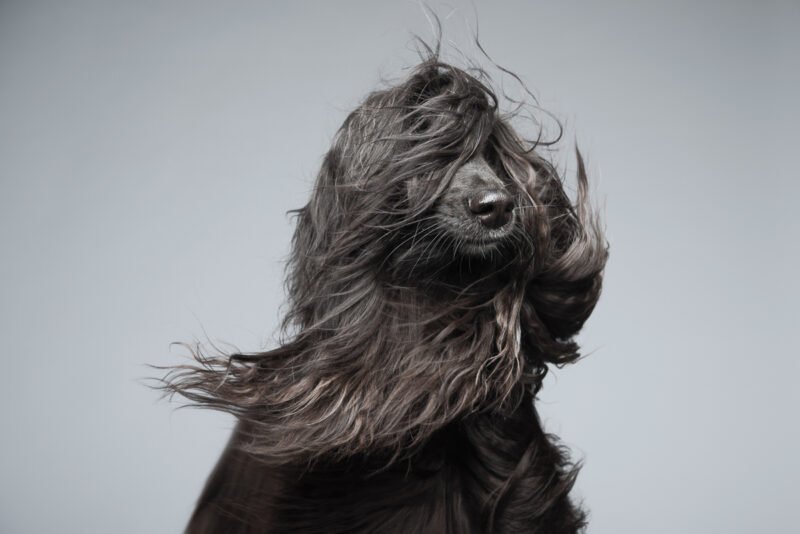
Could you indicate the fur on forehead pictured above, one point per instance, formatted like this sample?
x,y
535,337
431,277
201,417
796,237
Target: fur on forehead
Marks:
x,y
419,131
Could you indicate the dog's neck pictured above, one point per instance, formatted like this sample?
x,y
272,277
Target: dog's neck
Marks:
x,y
465,478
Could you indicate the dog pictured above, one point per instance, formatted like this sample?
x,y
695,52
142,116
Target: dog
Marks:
x,y
437,270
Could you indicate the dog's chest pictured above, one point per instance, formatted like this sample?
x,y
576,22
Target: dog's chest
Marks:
x,y
444,489
494,474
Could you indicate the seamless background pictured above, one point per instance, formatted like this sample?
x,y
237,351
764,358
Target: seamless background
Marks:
x,y
150,150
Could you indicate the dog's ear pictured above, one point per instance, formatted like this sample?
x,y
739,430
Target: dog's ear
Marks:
x,y
371,381
572,254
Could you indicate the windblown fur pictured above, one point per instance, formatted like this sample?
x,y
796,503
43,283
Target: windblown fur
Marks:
x,y
401,398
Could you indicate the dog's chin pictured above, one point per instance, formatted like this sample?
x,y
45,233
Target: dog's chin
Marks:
x,y
480,248
486,245
469,240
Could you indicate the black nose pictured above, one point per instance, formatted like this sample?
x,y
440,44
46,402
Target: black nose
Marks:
x,y
493,207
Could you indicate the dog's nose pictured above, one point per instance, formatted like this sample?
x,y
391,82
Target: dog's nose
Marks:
x,y
493,207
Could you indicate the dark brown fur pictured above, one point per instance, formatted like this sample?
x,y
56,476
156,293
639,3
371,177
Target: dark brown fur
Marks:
x,y
402,396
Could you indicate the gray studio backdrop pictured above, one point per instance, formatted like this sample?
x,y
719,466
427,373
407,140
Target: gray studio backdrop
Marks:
x,y
150,150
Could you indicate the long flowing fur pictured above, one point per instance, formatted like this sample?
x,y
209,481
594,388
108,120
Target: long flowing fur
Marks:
x,y
394,336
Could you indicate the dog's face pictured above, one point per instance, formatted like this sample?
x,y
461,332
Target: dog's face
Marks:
x,y
476,215
476,222
438,175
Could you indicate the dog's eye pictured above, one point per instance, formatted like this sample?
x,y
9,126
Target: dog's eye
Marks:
x,y
493,160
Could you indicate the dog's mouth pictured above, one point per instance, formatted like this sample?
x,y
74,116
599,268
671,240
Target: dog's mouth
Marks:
x,y
472,240
451,243
479,247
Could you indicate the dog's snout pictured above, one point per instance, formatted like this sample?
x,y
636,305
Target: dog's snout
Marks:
x,y
492,207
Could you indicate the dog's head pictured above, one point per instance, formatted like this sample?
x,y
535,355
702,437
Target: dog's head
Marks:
x,y
422,178
436,270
